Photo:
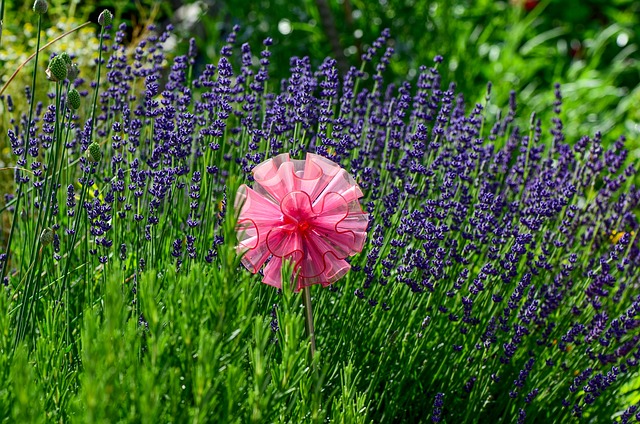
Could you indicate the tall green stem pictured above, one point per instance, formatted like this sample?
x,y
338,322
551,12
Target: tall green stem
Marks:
x,y
95,93
85,185
44,215
309,319
26,147
1,19
44,218
76,229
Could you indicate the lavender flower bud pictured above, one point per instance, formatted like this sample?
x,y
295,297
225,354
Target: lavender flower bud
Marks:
x,y
105,18
40,7
57,70
46,237
73,99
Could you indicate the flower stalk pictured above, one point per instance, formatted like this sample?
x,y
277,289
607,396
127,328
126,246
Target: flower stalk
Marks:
x,y
22,319
309,319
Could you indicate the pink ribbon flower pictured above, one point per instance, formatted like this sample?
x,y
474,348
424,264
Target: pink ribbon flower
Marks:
x,y
304,210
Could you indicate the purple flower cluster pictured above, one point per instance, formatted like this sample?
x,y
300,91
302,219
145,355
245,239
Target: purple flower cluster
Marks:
x,y
438,402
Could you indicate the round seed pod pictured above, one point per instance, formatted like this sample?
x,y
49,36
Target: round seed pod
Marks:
x,y
73,99
40,7
94,153
65,56
72,72
105,18
46,237
57,70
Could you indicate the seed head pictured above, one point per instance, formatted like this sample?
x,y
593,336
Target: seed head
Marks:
x,y
105,18
46,237
72,72
94,152
73,99
65,56
40,7
57,70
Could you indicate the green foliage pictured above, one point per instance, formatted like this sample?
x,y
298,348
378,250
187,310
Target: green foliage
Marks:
x,y
194,349
27,399
6,393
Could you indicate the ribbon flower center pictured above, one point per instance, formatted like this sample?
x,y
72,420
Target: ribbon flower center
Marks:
x,y
303,226
298,213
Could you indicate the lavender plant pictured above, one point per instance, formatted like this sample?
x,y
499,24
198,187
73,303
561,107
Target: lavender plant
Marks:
x,y
499,282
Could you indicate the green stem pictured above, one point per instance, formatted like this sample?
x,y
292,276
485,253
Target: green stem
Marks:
x,y
76,227
30,189
44,217
57,152
1,19
65,287
309,319
95,93
30,286
26,147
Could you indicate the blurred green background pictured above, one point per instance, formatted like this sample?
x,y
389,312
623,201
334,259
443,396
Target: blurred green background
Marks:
x,y
589,46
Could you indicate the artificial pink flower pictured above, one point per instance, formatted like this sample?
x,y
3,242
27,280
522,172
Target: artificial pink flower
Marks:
x,y
304,210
